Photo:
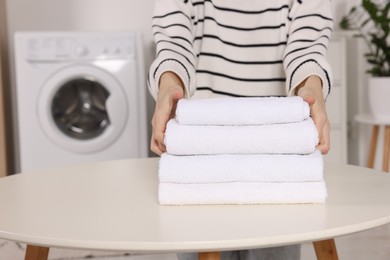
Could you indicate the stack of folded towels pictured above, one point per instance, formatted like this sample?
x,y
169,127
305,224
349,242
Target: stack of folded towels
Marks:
x,y
241,151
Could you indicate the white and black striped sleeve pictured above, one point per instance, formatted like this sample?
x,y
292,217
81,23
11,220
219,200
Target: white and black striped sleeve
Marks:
x,y
311,24
173,34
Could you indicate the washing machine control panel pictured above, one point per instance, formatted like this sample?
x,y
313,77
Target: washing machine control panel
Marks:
x,y
85,48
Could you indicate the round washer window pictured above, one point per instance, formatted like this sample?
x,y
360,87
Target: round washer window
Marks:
x,y
79,109
82,108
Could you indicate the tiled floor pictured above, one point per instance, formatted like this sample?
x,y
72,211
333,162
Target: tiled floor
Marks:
x,y
368,245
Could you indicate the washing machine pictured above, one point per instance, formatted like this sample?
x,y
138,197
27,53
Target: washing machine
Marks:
x,y
81,97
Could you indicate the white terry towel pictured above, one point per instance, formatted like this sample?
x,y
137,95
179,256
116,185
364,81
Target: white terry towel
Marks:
x,y
242,193
241,111
244,168
292,138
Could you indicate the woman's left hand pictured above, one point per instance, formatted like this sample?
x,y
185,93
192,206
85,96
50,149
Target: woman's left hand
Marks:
x,y
311,91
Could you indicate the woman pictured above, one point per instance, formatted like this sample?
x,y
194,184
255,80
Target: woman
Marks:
x,y
212,48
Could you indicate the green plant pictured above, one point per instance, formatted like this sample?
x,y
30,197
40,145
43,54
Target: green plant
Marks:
x,y
372,20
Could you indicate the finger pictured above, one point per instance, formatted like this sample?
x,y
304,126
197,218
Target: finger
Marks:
x,y
319,124
161,116
159,138
318,114
157,143
159,126
154,147
157,135
324,145
173,110
319,119
164,111
166,107
160,121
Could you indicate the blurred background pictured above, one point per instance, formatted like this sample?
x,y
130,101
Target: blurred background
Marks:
x,y
348,98
33,78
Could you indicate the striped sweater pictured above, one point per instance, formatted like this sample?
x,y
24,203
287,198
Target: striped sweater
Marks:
x,y
241,47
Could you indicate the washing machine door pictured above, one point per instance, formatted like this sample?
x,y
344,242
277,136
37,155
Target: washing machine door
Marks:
x,y
82,108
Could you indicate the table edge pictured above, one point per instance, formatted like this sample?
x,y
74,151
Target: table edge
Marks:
x,y
205,246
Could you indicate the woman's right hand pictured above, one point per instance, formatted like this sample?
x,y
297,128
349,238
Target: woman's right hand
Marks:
x,y
171,89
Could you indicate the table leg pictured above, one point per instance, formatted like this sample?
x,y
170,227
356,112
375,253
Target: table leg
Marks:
x,y
36,253
209,256
386,149
374,141
326,250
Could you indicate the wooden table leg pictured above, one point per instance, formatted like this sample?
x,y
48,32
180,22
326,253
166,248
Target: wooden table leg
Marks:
x,y
326,250
386,149
209,256
36,253
374,141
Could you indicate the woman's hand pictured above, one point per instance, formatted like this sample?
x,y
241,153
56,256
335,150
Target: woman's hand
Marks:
x,y
311,91
171,89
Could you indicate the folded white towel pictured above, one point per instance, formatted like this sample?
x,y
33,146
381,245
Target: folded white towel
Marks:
x,y
244,168
292,138
242,193
241,111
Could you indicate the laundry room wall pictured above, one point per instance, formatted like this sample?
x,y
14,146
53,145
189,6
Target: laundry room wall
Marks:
x,y
97,15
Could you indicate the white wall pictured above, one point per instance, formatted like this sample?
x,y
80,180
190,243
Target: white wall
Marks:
x,y
97,15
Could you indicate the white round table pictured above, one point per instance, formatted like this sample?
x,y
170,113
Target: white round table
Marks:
x,y
376,124
113,206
